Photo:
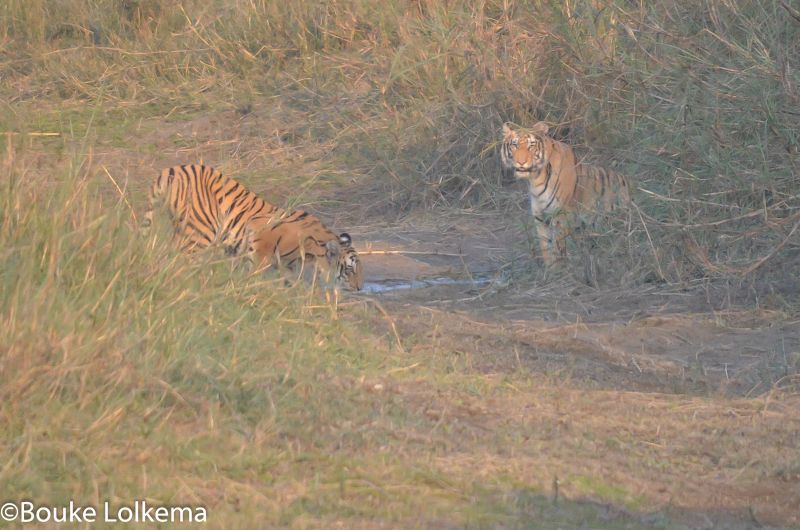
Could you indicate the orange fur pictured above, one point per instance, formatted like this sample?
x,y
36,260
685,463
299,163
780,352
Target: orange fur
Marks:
x,y
560,188
208,208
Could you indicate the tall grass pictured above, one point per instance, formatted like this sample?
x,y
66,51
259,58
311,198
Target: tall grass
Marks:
x,y
693,100
122,362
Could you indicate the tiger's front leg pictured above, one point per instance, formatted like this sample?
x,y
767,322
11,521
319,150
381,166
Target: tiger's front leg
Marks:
x,y
192,237
560,230
544,230
552,234
147,222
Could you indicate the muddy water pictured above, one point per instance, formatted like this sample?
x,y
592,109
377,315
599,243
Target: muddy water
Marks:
x,y
386,273
384,286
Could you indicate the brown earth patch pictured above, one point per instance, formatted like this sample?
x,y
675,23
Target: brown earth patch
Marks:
x,y
662,390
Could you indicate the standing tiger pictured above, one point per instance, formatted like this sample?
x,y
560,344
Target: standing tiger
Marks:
x,y
562,191
208,208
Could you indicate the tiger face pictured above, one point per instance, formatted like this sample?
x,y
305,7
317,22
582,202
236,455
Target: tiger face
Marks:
x,y
348,266
299,239
523,153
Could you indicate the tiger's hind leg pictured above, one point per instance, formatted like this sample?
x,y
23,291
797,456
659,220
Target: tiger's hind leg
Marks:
x,y
586,241
588,248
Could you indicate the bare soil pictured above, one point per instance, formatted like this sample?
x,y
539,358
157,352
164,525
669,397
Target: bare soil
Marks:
x,y
689,374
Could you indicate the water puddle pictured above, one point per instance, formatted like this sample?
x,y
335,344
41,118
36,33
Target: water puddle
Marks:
x,y
385,286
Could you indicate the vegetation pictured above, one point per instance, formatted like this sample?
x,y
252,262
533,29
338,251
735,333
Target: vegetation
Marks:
x,y
127,371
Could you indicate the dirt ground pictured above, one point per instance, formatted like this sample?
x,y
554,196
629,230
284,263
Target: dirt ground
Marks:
x,y
625,359
693,339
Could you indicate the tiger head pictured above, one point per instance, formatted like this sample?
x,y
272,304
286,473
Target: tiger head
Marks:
x,y
524,153
348,267
299,236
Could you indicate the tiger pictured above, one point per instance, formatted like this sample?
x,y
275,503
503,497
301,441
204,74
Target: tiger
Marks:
x,y
562,191
207,208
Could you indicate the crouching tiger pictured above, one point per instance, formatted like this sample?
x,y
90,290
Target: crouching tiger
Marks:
x,y
563,193
208,208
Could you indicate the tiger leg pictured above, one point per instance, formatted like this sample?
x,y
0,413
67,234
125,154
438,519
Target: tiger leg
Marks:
x,y
544,230
190,239
561,230
147,220
261,247
587,244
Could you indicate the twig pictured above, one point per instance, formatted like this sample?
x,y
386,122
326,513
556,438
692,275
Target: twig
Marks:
x,y
122,194
792,12
555,490
775,250
650,239
12,133
389,319
124,52
402,368
410,252
698,201
754,213
741,271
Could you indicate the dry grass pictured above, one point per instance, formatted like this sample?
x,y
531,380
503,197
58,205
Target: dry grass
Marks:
x,y
130,372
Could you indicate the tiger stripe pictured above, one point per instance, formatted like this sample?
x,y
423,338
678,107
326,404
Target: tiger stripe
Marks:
x,y
208,208
560,188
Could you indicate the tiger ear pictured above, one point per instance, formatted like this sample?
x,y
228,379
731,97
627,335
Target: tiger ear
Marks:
x,y
332,249
540,128
507,130
345,239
